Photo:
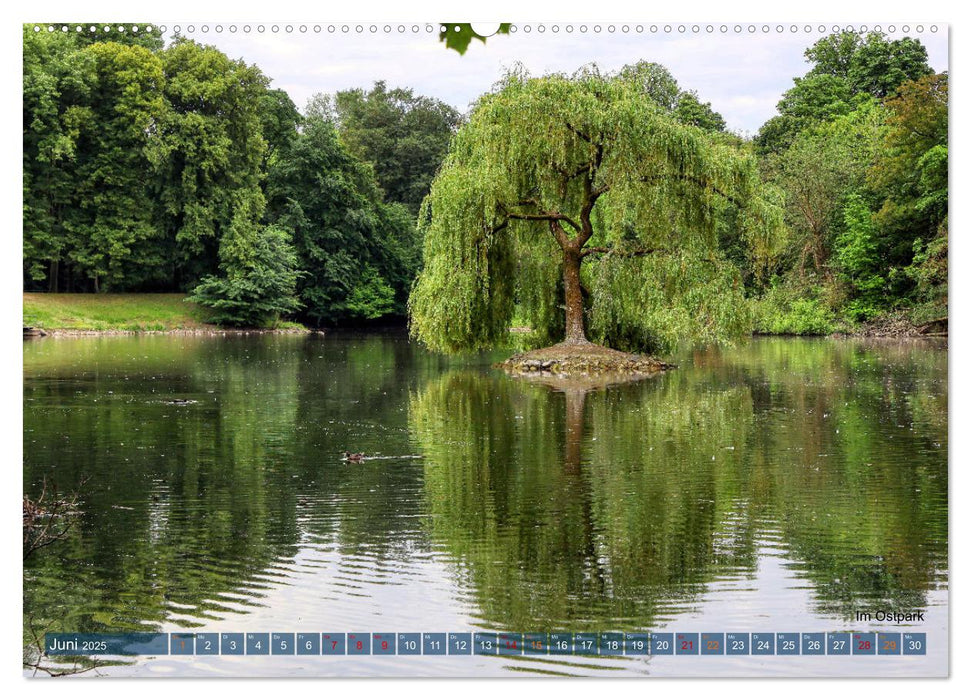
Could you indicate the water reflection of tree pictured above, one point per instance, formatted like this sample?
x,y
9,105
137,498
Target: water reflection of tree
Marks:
x,y
191,512
860,433
184,510
548,504
838,450
612,507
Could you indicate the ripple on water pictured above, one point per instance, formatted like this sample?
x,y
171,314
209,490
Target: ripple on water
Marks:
x,y
780,482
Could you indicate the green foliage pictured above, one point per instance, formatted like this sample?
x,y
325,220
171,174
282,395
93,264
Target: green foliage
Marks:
x,y
846,70
691,298
860,150
116,213
928,272
279,120
816,172
813,99
654,81
371,297
833,54
208,152
359,254
867,191
910,179
138,160
148,168
869,64
583,163
691,110
255,290
859,261
879,66
911,169
402,135
785,309
817,98
458,35
57,84
932,183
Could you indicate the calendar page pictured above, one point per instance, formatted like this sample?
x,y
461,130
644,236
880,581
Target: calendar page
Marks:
x,y
433,349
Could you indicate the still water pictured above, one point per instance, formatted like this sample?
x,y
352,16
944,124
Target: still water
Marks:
x,y
782,485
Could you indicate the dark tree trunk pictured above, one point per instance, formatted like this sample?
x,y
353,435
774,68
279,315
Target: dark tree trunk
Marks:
x,y
52,276
572,247
573,296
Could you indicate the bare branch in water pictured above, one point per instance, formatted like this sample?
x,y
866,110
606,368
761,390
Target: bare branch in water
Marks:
x,y
48,519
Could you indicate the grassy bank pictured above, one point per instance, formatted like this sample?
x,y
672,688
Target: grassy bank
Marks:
x,y
111,312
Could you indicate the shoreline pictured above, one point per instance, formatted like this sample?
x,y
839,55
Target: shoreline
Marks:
x,y
33,332
211,331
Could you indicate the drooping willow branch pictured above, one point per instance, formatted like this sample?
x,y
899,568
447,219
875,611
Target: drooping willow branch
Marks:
x,y
703,184
621,253
609,160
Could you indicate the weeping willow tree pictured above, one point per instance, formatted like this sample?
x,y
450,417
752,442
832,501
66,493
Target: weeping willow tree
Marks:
x,y
587,189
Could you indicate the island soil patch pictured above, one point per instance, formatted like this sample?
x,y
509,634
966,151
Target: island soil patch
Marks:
x,y
579,360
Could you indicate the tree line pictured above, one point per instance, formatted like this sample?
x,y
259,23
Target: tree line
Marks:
x,y
175,168
859,148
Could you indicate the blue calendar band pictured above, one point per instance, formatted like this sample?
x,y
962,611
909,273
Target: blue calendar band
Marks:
x,y
488,644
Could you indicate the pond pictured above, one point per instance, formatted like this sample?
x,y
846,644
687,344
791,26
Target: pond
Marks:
x,y
783,485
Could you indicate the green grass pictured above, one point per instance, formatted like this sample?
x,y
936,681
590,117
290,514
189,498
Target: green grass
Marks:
x,y
111,312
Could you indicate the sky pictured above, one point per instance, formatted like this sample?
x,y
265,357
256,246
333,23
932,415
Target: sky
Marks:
x,y
743,74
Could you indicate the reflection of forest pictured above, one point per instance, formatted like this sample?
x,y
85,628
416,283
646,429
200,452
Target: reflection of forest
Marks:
x,y
192,511
836,449
559,509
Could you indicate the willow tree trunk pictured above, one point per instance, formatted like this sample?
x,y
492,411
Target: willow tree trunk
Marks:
x,y
573,296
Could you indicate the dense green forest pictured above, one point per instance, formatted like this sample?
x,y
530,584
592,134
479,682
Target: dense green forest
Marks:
x,y
151,168
859,149
175,168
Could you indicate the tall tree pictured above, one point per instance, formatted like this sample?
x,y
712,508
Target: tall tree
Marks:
x,y
879,66
910,174
833,54
402,135
818,171
208,155
656,83
57,83
279,120
113,199
691,110
847,70
359,253
554,175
